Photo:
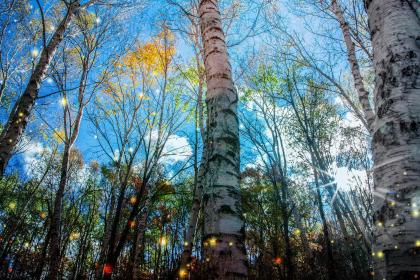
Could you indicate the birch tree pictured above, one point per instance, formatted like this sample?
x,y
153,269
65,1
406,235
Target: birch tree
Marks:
x,y
395,31
224,226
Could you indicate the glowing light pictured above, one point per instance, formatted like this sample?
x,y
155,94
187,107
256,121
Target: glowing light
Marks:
x,y
63,101
332,241
141,96
52,27
34,52
231,244
163,241
12,205
395,247
43,215
417,243
297,231
380,224
98,20
185,243
392,203
132,224
380,254
20,114
278,260
213,241
49,80
405,172
182,273
207,259
130,150
74,235
107,269
416,213
26,244
133,200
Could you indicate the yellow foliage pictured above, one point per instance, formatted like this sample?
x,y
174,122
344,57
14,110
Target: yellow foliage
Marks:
x,y
58,135
153,57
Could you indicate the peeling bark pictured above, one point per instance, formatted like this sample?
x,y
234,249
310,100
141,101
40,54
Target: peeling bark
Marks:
x,y
395,31
224,226
362,93
21,112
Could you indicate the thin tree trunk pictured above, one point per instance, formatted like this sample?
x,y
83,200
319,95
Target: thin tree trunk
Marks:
x,y
395,30
362,93
138,244
224,225
55,232
21,112
330,258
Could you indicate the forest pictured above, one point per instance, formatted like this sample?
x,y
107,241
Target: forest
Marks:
x,y
210,139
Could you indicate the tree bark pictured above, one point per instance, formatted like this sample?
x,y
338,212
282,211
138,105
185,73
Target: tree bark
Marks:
x,y
21,112
395,31
224,226
362,93
55,232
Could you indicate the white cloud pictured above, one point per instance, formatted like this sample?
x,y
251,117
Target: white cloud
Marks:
x,y
31,156
176,149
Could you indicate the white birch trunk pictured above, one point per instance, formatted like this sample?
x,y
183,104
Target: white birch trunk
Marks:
x,y
362,93
395,31
225,254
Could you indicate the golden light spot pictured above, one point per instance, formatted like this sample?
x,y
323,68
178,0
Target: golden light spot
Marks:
x,y
12,205
380,254
185,243
415,213
43,215
297,231
34,52
182,273
392,203
74,235
379,224
63,101
231,244
373,254
132,224
417,243
332,241
26,244
207,259
20,114
133,200
213,241
163,241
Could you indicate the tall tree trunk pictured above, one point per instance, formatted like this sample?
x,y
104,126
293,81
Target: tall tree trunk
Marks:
x,y
395,30
362,93
330,258
195,210
21,112
138,244
55,231
224,225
